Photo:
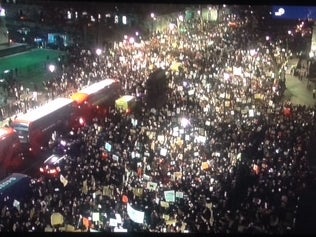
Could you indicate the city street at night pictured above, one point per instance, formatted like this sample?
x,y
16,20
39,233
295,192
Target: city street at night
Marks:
x,y
158,118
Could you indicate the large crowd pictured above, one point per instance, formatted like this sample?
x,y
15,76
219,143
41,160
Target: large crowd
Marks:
x,y
231,153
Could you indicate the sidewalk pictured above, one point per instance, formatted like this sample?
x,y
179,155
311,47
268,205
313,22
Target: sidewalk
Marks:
x,y
297,91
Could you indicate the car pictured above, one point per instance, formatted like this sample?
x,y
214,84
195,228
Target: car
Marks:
x,y
68,146
51,165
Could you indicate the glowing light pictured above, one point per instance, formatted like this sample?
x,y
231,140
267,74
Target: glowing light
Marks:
x,y
98,52
51,68
124,20
280,12
131,40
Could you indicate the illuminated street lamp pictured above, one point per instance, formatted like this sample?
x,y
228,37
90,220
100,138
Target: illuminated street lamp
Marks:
x,y
152,15
98,51
51,68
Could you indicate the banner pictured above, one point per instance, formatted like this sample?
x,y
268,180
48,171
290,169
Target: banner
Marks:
x,y
170,196
136,216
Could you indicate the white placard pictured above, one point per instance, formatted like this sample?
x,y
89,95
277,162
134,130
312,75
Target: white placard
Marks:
x,y
161,138
117,229
95,216
179,194
251,113
115,157
163,151
113,222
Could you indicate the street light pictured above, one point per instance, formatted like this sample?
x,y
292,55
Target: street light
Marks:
x,y
152,15
51,68
98,51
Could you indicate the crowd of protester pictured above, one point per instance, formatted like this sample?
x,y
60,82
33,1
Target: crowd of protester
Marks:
x,y
223,138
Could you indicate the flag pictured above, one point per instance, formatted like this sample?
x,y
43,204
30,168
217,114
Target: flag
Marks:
x,y
136,216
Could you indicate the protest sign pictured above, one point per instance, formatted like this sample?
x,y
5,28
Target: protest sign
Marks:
x,y
138,192
16,204
63,180
204,166
163,151
164,204
107,191
177,175
119,229
85,186
169,196
179,194
113,222
108,146
56,219
165,217
95,216
152,186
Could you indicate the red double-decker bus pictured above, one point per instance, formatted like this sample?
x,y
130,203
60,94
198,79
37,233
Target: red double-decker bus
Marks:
x,y
35,128
10,150
95,99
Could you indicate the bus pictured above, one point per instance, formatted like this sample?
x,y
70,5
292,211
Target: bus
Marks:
x,y
35,128
94,100
14,188
10,151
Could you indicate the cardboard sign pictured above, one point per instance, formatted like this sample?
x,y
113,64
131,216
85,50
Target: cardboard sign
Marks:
x,y
204,166
152,186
